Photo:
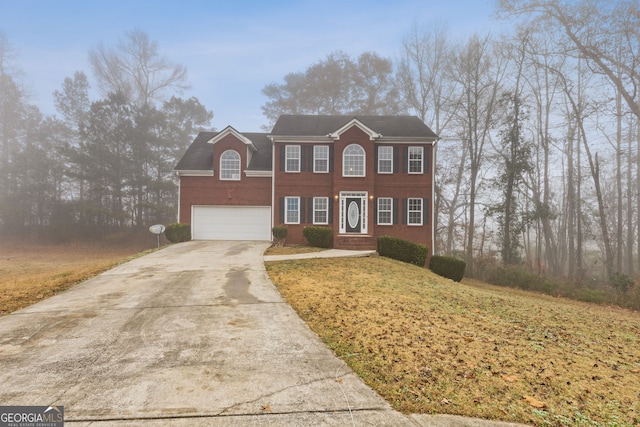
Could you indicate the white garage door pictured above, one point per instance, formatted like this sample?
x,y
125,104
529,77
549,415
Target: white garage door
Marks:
x,y
231,222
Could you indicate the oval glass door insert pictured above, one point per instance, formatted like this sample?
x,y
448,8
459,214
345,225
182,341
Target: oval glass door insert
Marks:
x,y
353,214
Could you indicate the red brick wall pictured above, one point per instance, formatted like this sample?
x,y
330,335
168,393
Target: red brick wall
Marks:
x,y
210,190
397,185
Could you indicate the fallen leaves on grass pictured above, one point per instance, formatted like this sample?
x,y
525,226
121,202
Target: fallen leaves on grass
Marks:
x,y
534,402
420,341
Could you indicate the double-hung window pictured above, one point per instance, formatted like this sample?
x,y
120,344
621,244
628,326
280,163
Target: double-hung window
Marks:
x,y
385,211
292,210
385,159
414,211
353,161
321,158
230,165
292,158
416,159
320,210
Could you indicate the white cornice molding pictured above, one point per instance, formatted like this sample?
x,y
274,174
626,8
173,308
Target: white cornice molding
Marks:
x,y
373,135
229,130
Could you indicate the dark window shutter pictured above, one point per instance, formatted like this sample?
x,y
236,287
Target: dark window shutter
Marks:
x,y
405,207
375,158
330,213
425,211
282,158
281,209
301,206
395,210
375,207
331,158
427,162
310,210
396,159
405,159
303,158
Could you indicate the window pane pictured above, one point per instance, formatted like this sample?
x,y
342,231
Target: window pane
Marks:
x,y
230,165
415,212
353,161
384,210
320,210
385,159
292,211
415,159
321,158
292,155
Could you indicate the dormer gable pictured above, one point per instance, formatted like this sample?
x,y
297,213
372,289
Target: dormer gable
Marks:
x,y
229,130
373,135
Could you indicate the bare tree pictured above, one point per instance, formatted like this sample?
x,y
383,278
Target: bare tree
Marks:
x,y
477,73
135,69
422,76
600,31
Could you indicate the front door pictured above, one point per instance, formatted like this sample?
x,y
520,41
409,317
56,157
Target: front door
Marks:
x,y
353,212
354,215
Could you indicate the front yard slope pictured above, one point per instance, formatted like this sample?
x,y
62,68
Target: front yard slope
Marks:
x,y
430,345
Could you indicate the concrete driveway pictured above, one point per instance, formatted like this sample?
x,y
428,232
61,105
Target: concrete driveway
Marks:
x,y
192,335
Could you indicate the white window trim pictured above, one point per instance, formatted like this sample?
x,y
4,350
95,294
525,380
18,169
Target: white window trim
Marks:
x,y
390,160
286,210
234,176
288,156
390,199
326,211
364,162
315,156
409,211
421,149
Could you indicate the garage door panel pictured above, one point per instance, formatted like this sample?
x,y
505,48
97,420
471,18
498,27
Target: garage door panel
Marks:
x,y
231,223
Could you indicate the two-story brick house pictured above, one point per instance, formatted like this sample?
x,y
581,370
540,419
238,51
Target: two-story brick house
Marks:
x,y
363,176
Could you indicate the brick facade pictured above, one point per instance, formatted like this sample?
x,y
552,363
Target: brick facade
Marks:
x,y
351,201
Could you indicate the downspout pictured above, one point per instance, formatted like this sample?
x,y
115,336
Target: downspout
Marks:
x,y
273,185
179,199
433,195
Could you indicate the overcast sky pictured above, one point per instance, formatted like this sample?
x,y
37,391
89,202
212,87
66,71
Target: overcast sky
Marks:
x,y
231,48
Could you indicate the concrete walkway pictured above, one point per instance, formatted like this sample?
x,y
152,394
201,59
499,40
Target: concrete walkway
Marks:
x,y
192,335
329,253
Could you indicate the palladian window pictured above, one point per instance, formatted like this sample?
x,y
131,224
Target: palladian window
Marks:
x,y
353,161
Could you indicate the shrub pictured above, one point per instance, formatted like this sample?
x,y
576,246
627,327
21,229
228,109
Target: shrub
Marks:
x,y
403,250
448,266
319,237
178,232
279,234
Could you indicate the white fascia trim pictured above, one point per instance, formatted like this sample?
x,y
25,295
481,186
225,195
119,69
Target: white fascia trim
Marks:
x,y
405,140
265,174
229,130
195,173
373,135
301,139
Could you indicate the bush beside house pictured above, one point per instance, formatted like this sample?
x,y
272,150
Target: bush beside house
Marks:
x,y
448,266
319,237
178,232
403,250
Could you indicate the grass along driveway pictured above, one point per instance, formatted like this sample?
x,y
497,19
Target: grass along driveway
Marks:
x,y
430,345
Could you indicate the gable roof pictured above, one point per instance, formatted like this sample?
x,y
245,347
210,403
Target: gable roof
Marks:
x,y
388,126
199,155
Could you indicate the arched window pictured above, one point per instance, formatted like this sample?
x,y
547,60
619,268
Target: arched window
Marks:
x,y
353,161
230,165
